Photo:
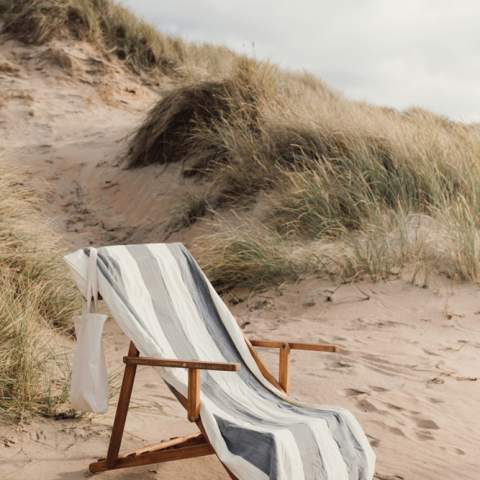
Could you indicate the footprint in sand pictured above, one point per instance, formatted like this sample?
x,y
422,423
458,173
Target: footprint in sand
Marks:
x,y
367,406
392,406
429,352
396,431
461,378
424,435
336,338
150,385
339,364
435,401
426,423
378,389
316,375
353,392
426,426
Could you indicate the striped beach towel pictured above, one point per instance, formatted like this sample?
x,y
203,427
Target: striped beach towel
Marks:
x,y
164,303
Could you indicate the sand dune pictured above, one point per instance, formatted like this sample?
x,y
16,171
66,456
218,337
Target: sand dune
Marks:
x,y
408,367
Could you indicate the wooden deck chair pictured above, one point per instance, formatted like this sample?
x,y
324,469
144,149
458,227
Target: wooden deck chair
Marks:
x,y
178,324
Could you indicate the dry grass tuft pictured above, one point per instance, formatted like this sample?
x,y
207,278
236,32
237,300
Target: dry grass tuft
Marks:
x,y
183,125
187,211
37,300
116,30
248,255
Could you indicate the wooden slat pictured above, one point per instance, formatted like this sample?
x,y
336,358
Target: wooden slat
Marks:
x,y
266,343
283,366
294,345
312,347
194,438
167,455
122,408
165,362
193,394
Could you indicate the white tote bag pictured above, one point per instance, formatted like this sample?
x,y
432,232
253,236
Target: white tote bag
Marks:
x,y
89,386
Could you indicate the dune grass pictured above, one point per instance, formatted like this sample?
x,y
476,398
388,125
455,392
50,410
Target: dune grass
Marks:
x,y
116,30
37,300
187,210
320,184
248,255
251,254
326,170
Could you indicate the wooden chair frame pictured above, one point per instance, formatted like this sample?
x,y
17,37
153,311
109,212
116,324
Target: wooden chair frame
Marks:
x,y
197,444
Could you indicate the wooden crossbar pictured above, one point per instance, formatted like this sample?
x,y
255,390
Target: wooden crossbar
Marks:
x,y
165,362
315,347
178,448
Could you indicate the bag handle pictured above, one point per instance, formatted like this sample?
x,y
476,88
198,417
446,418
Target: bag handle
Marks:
x,y
92,282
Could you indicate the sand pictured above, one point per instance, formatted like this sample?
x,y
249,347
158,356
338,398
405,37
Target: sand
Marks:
x,y
409,361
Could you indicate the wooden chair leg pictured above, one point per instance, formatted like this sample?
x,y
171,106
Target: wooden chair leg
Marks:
x,y
176,448
193,399
122,409
283,366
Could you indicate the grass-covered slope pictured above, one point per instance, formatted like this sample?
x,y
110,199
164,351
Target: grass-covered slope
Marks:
x,y
346,189
37,300
318,184
116,31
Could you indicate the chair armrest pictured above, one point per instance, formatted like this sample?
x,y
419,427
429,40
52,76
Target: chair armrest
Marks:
x,y
194,368
317,347
284,351
198,365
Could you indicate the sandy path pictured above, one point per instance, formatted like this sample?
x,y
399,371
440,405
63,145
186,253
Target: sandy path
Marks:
x,y
68,128
409,368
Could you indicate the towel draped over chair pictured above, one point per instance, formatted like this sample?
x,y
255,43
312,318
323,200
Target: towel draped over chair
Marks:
x,y
164,303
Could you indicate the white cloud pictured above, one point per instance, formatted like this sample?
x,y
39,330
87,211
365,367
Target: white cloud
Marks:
x,y
414,52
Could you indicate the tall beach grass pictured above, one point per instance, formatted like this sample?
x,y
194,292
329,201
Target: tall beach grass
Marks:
x,y
116,31
365,191
37,300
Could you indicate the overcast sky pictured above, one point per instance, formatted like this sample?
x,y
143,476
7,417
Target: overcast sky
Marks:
x,y
399,53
